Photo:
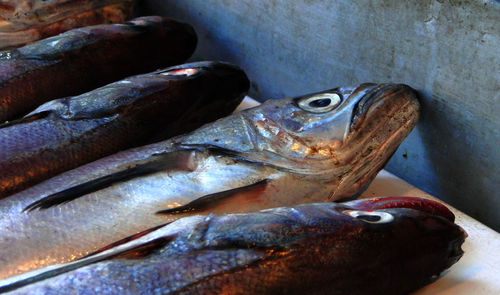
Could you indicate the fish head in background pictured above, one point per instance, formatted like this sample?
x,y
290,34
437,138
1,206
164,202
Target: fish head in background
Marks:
x,y
26,21
224,87
223,79
344,135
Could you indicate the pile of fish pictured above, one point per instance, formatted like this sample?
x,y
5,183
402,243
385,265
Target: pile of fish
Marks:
x,y
131,112
82,59
128,220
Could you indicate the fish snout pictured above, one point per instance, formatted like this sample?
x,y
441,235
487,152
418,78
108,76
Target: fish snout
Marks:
x,y
384,100
420,204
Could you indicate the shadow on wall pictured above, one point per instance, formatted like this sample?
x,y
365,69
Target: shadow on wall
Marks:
x,y
447,165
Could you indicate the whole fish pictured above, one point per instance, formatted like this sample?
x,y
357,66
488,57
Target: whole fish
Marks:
x,y
83,59
318,147
375,246
65,133
25,21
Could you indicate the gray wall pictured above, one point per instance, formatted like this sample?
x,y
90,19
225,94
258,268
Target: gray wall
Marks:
x,y
447,50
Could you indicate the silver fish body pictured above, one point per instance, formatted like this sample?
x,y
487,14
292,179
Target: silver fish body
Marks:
x,y
318,147
377,246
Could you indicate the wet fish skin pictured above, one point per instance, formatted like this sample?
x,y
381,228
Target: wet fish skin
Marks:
x,y
65,133
23,14
281,153
382,246
83,59
23,22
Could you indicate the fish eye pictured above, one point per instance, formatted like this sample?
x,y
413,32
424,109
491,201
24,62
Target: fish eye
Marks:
x,y
320,103
181,72
370,216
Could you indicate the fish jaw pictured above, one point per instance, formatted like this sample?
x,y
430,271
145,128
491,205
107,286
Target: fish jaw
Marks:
x,y
381,121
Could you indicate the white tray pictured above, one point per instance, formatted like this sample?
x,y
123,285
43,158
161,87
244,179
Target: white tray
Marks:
x,y
477,272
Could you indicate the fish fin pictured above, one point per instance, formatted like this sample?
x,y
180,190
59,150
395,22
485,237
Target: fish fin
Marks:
x,y
27,119
125,240
208,200
175,161
144,250
133,252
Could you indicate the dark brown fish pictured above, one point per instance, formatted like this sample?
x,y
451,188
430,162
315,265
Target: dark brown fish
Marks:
x,y
83,59
66,133
377,246
25,21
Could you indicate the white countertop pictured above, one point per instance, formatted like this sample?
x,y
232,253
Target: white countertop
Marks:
x,y
477,272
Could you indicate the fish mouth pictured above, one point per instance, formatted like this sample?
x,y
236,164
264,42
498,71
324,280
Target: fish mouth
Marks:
x,y
420,204
380,95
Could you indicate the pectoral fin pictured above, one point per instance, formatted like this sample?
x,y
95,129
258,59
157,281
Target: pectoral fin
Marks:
x,y
173,161
131,252
126,240
210,200
31,118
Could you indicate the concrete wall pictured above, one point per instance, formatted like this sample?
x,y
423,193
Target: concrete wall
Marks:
x,y
446,49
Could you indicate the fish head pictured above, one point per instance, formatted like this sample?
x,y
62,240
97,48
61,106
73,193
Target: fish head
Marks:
x,y
415,239
19,15
137,93
347,221
346,131
222,78
341,137
371,241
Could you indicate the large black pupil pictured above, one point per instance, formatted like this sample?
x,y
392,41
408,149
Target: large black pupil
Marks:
x,y
371,218
320,103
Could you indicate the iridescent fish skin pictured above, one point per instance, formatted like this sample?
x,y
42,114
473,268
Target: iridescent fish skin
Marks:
x,y
83,59
65,133
382,246
26,21
318,147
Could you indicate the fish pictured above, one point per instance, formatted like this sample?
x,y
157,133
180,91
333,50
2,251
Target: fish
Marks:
x,y
312,148
26,21
65,133
83,59
391,245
